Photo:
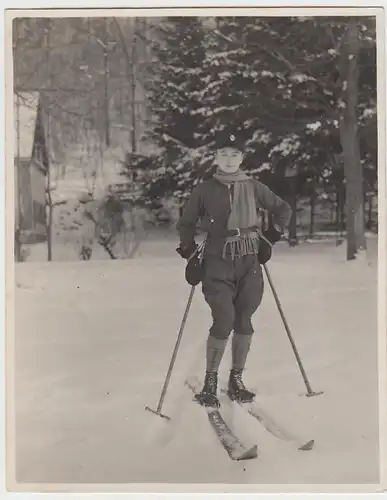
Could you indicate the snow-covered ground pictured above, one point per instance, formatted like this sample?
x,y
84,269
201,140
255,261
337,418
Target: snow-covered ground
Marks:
x,y
92,346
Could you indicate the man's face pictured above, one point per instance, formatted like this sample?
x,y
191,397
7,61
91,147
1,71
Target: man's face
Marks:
x,y
229,159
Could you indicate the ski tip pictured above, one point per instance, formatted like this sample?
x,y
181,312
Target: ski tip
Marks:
x,y
307,446
249,454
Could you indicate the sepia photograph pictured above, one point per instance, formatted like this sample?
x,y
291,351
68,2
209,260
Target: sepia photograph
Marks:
x,y
194,266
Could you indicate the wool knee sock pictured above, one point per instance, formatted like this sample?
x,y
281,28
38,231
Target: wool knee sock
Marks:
x,y
240,348
215,351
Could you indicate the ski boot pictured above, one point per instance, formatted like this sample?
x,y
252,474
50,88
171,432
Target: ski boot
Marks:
x,y
237,390
207,397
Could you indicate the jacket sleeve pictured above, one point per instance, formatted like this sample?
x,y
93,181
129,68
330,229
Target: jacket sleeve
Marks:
x,y
188,221
276,206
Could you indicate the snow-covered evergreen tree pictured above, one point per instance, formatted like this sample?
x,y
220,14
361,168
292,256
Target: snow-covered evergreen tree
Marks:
x,y
179,53
281,81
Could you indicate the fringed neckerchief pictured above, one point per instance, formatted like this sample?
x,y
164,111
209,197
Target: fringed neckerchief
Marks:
x,y
243,214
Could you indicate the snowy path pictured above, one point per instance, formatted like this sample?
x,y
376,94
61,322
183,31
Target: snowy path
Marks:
x,y
93,342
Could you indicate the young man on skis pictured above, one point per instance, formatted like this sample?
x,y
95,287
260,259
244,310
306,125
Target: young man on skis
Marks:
x,y
229,207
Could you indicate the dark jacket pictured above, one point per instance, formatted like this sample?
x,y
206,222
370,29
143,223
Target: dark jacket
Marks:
x,y
209,203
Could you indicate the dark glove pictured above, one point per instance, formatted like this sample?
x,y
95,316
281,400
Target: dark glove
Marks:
x,y
271,233
264,251
269,238
194,271
186,251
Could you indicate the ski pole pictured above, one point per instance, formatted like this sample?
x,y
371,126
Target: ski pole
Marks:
x,y
176,348
310,392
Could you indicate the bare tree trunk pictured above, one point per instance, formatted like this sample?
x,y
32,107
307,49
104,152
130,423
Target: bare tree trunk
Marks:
x,y
350,142
293,240
332,214
49,204
313,197
106,85
133,88
340,208
370,209
131,62
338,205
49,218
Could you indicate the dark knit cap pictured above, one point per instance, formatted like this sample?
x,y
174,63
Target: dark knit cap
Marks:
x,y
227,139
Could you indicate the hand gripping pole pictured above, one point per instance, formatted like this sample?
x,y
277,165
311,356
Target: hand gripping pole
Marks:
x,y
176,348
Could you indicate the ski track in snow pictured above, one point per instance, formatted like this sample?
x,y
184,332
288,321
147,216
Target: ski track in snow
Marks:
x,y
92,346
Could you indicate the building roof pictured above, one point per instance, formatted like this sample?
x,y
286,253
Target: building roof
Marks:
x,y
25,113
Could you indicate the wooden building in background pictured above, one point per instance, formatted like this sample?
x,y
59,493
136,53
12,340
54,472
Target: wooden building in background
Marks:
x,y
30,161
